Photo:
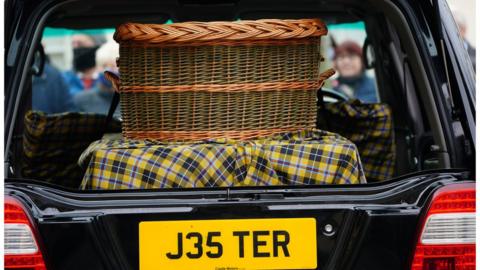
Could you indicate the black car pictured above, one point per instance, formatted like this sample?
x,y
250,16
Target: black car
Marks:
x,y
422,216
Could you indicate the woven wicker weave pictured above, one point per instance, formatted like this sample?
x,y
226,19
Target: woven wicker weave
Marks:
x,y
241,80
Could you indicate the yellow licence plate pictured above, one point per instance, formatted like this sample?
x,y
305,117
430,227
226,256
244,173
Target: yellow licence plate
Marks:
x,y
277,243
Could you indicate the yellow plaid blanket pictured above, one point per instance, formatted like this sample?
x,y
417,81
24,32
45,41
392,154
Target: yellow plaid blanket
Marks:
x,y
52,144
370,127
308,157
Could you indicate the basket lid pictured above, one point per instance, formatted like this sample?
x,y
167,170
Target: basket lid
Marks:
x,y
186,32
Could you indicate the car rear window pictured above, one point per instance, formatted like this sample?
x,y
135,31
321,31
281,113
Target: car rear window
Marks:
x,y
360,135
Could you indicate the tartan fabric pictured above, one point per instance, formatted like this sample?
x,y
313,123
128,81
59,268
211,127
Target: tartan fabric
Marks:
x,y
306,157
370,127
52,144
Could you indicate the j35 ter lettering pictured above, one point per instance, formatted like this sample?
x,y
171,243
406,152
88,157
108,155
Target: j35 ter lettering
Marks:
x,y
280,241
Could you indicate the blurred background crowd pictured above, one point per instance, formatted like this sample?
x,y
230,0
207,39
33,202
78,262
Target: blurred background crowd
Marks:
x,y
72,78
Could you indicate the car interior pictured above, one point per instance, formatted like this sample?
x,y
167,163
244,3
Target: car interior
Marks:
x,y
48,147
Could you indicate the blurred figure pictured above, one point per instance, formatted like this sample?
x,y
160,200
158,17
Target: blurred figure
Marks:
x,y
98,99
462,28
353,80
50,93
84,73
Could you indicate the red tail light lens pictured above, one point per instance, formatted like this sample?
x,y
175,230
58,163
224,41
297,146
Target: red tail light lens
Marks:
x,y
21,248
447,239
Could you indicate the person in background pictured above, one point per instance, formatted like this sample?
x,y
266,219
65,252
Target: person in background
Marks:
x,y
98,99
462,28
50,93
353,80
84,73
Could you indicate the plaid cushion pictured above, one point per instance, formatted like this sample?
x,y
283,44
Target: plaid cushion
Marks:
x,y
370,127
302,158
52,144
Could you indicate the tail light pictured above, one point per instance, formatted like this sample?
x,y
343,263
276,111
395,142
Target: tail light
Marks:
x,y
447,238
21,246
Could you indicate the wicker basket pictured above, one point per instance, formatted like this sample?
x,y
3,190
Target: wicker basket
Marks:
x,y
240,80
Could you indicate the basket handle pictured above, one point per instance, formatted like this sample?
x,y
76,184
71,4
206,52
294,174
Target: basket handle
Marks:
x,y
326,74
321,109
114,79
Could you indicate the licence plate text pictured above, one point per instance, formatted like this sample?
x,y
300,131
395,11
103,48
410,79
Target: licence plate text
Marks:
x,y
283,243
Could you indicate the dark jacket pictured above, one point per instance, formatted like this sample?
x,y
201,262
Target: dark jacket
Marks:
x,y
50,93
362,88
472,54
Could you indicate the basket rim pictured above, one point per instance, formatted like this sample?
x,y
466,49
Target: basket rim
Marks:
x,y
220,31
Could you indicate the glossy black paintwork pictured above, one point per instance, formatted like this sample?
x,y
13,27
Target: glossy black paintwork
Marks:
x,y
371,220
